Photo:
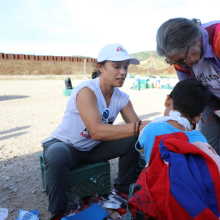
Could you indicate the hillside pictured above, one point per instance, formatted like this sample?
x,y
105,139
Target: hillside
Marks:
x,y
145,55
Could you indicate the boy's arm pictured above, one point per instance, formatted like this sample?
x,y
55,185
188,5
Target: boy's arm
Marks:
x,y
146,141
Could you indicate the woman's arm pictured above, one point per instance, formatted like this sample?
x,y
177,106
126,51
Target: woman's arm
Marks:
x,y
87,105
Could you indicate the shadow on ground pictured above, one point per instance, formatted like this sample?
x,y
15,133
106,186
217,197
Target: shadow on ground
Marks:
x,y
11,97
12,131
21,185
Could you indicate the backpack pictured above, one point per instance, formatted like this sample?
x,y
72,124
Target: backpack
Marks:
x,y
68,84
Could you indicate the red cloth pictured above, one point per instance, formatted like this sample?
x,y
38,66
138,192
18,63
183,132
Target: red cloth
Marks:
x,y
152,194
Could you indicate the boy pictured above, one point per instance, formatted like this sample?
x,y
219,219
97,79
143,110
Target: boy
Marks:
x,y
183,109
180,180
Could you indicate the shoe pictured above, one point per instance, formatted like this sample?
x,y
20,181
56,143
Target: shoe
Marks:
x,y
69,211
61,215
58,216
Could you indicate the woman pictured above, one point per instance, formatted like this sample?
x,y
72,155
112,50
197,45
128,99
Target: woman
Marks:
x,y
86,133
194,50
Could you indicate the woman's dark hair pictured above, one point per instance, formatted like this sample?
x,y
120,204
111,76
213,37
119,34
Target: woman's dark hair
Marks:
x,y
175,35
190,97
96,72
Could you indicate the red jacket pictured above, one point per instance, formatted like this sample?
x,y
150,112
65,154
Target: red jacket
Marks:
x,y
181,182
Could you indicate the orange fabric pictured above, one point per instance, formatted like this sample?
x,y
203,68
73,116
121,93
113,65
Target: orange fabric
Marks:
x,y
216,46
180,68
177,67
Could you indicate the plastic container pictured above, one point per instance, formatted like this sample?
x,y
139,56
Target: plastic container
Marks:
x,y
137,78
128,76
143,86
67,92
27,215
3,213
86,179
157,83
164,83
151,83
136,86
144,82
144,79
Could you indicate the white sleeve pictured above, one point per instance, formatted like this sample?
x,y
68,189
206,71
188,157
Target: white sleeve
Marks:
x,y
123,101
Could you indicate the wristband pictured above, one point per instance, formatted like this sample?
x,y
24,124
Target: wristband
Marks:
x,y
135,133
138,128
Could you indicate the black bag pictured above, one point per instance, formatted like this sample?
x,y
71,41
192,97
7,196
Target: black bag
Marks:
x,y
68,84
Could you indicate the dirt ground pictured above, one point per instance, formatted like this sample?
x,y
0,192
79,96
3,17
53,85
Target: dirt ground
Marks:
x,y
30,110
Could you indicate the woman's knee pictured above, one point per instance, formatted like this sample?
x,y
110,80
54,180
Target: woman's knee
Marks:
x,y
129,143
57,154
132,140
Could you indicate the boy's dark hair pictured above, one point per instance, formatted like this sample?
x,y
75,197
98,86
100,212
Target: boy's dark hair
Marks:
x,y
190,97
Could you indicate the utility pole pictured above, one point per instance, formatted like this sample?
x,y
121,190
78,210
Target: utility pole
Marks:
x,y
84,68
151,71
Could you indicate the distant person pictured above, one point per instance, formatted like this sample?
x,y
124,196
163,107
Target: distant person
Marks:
x,y
183,108
86,134
194,50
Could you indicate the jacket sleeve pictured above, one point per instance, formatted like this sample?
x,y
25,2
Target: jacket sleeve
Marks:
x,y
217,41
213,29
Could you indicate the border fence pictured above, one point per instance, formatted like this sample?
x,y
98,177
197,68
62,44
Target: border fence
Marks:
x,y
22,64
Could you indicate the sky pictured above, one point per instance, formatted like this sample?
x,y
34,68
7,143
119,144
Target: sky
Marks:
x,y
83,27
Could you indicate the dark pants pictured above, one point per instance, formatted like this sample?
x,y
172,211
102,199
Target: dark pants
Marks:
x,y
60,157
211,130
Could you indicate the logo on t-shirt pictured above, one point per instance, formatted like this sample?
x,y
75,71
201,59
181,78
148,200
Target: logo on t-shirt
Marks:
x,y
85,133
210,80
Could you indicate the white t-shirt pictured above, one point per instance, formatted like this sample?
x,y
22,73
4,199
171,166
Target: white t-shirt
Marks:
x,y
207,75
72,129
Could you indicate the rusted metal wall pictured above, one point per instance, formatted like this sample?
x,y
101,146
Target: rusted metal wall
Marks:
x,y
11,56
22,64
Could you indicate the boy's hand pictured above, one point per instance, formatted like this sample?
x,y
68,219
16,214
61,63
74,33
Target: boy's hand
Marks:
x,y
204,146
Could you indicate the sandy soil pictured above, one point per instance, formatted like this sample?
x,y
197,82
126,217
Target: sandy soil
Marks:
x,y
30,110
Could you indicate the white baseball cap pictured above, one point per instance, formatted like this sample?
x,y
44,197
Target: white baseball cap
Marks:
x,y
115,52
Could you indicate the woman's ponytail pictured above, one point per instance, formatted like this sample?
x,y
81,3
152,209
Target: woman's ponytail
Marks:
x,y
96,72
